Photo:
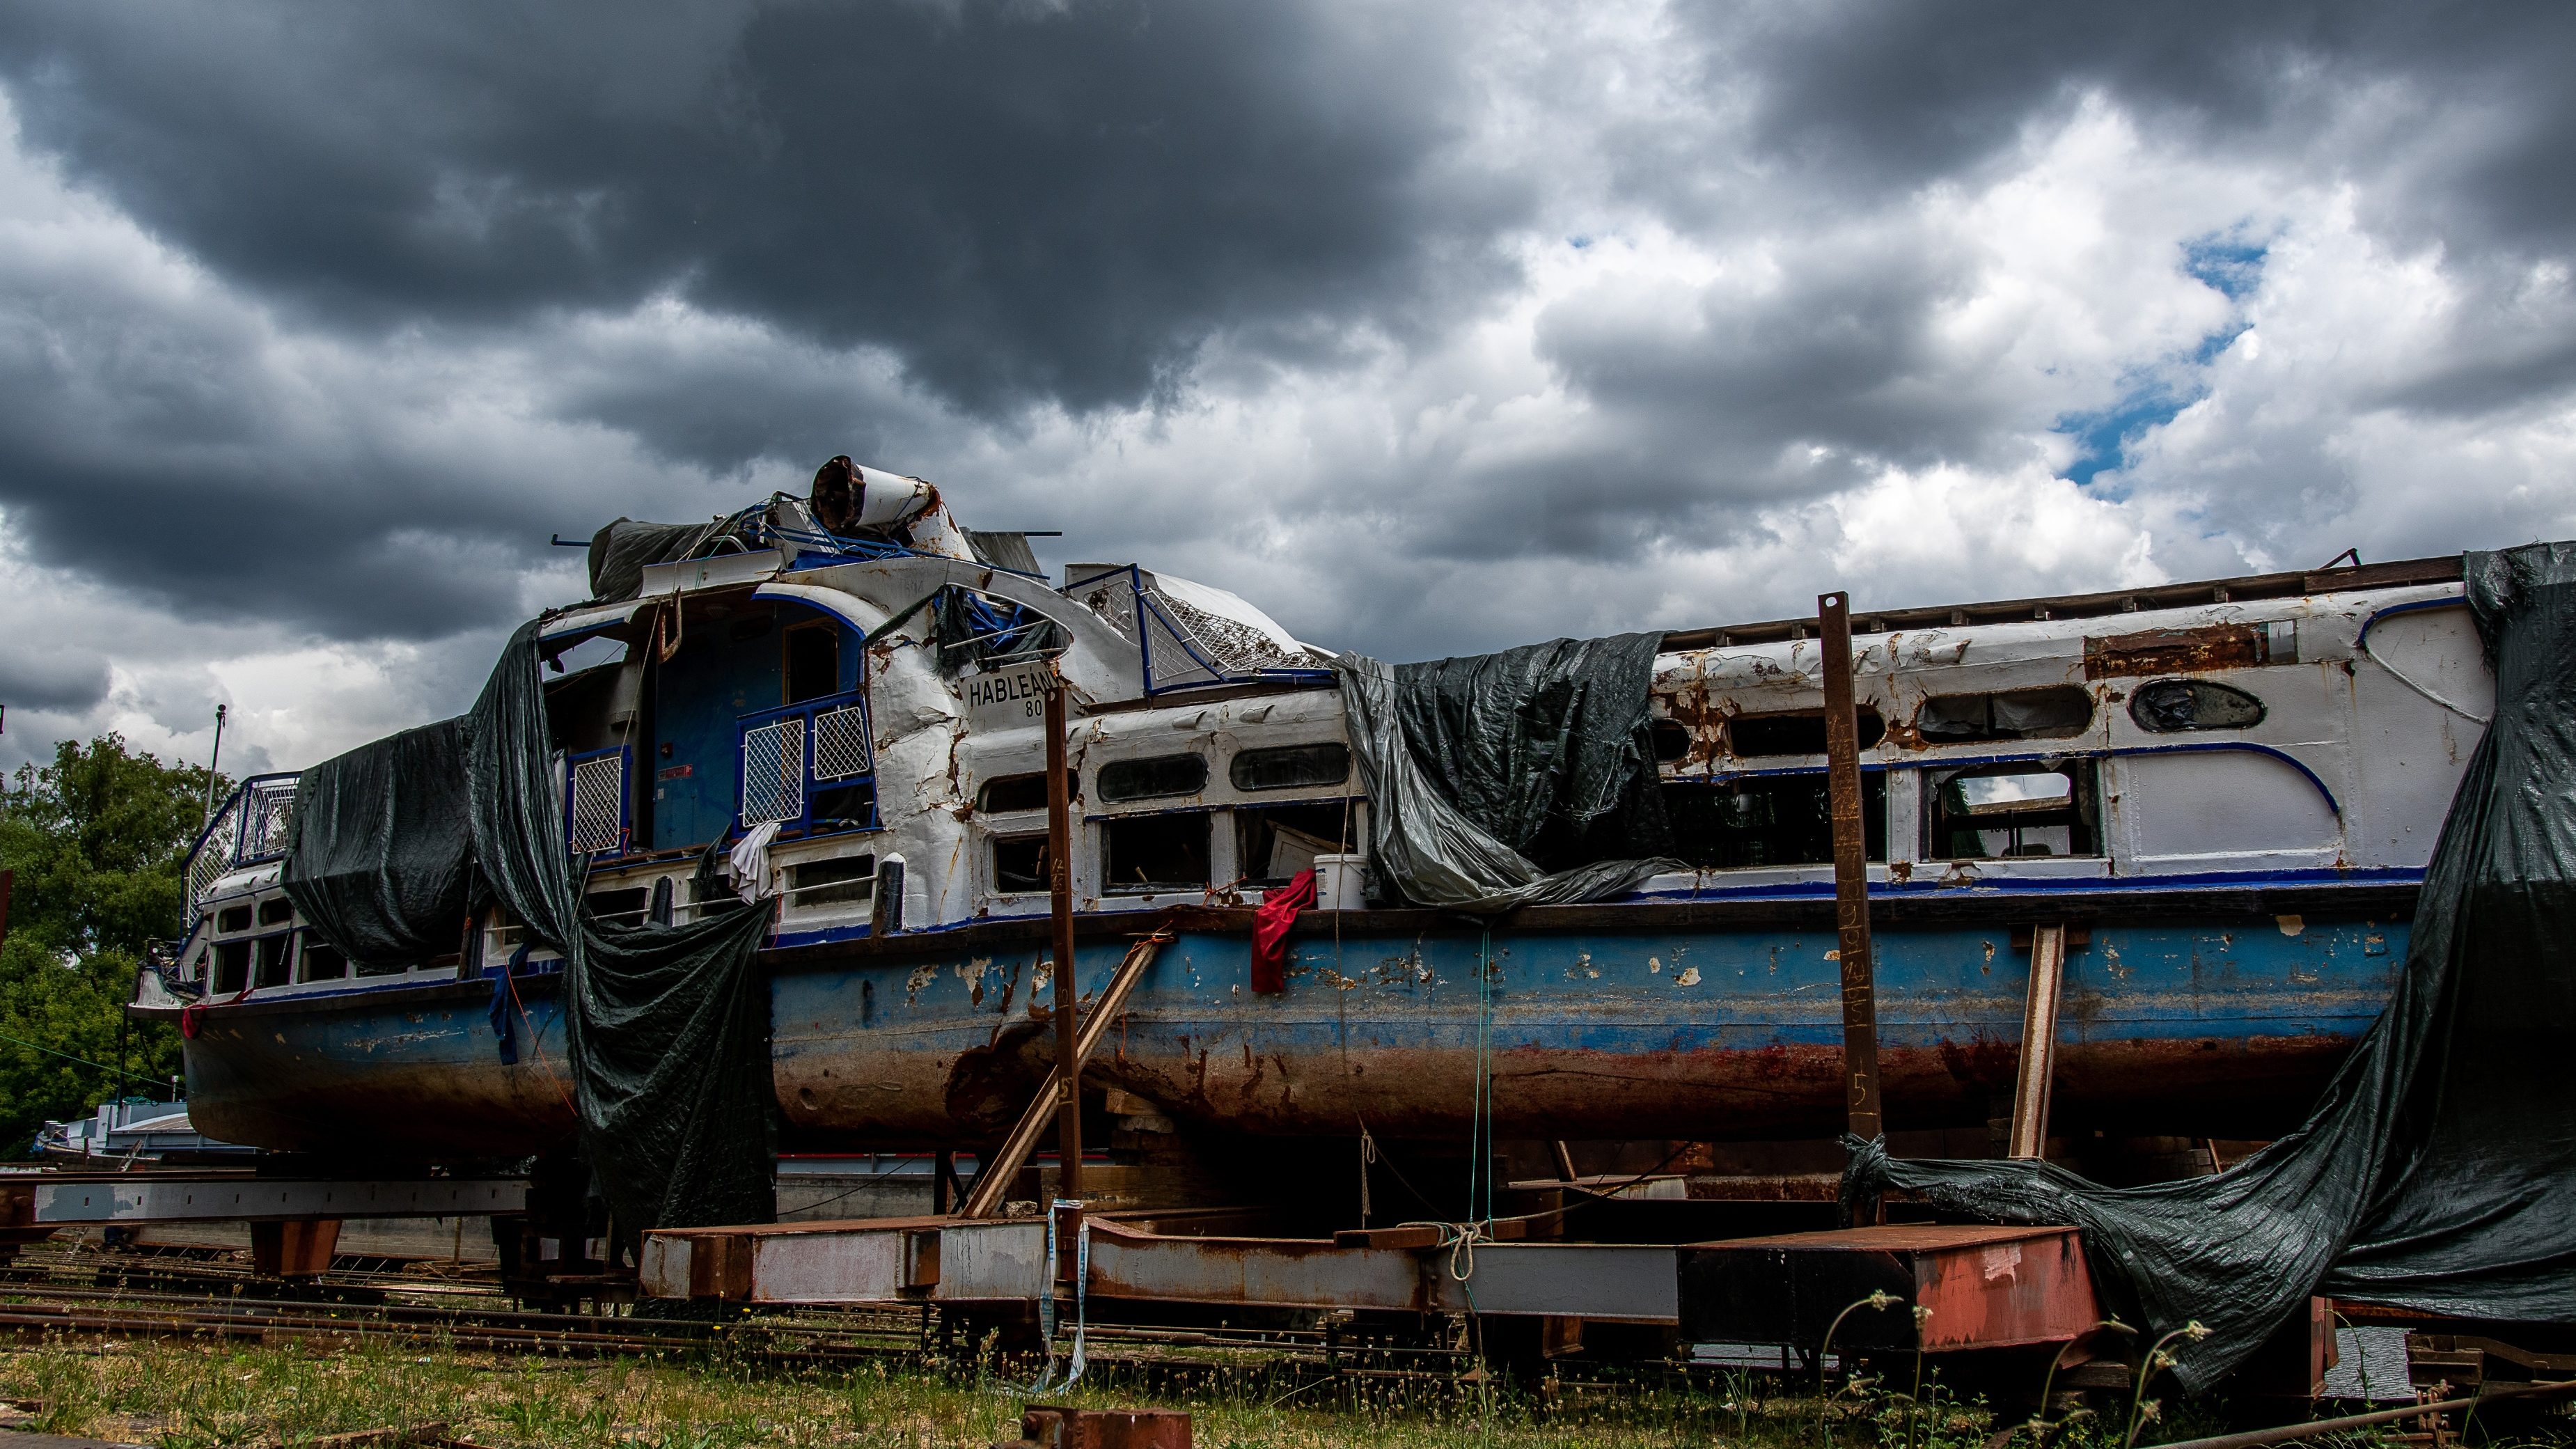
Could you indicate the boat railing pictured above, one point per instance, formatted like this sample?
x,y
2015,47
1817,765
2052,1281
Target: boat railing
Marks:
x,y
1186,647
801,756
252,827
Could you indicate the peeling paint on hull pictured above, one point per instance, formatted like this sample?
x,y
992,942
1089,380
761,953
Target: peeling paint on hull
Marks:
x,y
2182,1026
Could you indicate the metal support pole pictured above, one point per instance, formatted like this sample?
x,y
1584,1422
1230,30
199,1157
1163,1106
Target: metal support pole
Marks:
x,y
1060,906
2038,1042
1851,871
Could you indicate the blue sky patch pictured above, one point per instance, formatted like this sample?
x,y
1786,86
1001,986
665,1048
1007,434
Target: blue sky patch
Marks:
x,y
2230,268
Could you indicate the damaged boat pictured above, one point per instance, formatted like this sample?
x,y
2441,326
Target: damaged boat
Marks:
x,y
2226,791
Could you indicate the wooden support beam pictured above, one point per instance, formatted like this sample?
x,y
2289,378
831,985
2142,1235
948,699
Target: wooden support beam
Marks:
x,y
2029,1136
993,1176
1851,871
299,1249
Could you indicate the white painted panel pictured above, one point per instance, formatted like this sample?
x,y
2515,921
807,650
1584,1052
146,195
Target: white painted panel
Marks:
x,y
2221,809
828,1267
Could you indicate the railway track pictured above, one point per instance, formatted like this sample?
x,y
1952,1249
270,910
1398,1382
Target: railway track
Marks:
x,y
69,1290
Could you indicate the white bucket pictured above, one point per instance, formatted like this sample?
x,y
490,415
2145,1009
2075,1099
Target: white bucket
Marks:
x,y
1337,882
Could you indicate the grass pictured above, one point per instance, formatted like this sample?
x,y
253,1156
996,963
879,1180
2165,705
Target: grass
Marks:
x,y
185,1394
192,1395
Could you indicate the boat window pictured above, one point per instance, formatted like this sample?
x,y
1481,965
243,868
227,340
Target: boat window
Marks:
x,y
320,960
274,959
1004,793
235,918
276,912
1147,853
813,661
1794,732
2018,714
712,896
2030,808
1768,820
2168,706
1019,863
382,968
1275,842
848,880
1153,778
1290,766
1672,740
626,907
232,966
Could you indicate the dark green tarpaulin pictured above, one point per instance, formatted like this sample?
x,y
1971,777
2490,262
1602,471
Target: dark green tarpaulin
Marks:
x,y
619,552
1485,771
667,1026
381,857
2437,1170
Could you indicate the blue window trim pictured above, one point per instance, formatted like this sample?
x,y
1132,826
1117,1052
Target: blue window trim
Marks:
x,y
803,820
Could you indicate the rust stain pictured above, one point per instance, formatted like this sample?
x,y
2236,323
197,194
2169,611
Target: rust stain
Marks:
x,y
2175,651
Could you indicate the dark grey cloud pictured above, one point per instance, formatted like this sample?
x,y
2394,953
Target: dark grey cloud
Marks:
x,y
1022,201
1863,95
64,681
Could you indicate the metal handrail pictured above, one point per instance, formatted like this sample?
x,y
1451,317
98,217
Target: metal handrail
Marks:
x,y
230,815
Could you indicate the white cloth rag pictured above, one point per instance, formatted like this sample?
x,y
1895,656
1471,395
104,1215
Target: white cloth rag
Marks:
x,y
748,861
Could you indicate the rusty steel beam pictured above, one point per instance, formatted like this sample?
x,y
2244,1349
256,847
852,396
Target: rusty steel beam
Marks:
x,y
1060,914
2038,1065
993,1179
1851,872
1985,1287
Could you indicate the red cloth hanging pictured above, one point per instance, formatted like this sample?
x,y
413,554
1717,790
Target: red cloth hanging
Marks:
x,y
1270,925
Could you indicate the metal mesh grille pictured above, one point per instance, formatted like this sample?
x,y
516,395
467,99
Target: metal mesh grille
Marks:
x,y
773,772
1169,659
215,856
267,812
841,743
598,804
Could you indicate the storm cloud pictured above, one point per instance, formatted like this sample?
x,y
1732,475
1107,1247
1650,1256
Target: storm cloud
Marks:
x,y
1432,327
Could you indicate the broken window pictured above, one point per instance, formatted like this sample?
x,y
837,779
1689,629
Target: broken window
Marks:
x,y
276,912
1019,863
275,959
1795,732
813,661
236,918
1672,740
2169,706
320,960
1153,778
1004,793
1764,820
1998,812
625,907
847,881
1289,767
2017,714
232,964
1142,854
1275,842
852,806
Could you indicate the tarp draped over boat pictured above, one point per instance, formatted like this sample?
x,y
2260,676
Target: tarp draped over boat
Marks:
x,y
380,860
619,553
666,1026
1480,768
2435,1172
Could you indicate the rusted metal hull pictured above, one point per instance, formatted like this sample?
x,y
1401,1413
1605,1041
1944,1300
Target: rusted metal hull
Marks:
x,y
2213,1027
2220,1026
412,1074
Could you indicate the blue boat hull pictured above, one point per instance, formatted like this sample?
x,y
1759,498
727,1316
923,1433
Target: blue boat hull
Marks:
x,y
2205,1025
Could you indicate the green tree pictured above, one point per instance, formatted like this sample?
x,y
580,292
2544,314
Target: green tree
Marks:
x,y
96,840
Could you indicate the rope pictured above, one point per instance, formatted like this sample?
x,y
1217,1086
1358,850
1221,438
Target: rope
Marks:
x,y
536,1040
